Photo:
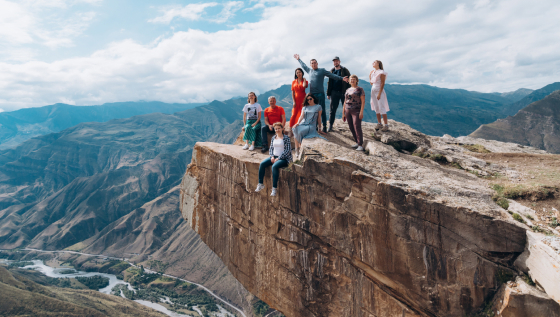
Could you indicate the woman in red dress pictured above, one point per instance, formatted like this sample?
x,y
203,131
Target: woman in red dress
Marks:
x,y
298,95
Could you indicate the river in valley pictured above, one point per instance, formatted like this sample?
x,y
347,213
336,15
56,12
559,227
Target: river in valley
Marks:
x,y
49,271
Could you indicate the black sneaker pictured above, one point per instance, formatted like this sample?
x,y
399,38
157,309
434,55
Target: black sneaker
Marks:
x,y
330,128
325,129
264,149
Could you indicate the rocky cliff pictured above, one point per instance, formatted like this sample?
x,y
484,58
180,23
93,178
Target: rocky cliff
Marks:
x,y
381,233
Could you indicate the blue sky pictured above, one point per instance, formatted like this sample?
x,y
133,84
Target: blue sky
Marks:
x,y
88,52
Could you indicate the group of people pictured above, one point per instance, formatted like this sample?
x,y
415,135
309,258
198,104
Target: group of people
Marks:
x,y
307,108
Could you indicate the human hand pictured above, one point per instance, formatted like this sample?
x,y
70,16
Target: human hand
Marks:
x,y
273,160
378,96
345,79
296,56
361,115
270,127
343,117
254,124
243,128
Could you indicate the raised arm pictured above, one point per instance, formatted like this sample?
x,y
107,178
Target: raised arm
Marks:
x,y
305,68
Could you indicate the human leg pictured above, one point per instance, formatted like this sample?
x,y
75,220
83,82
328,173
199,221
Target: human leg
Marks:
x,y
276,171
350,120
385,118
264,136
336,98
321,98
262,168
357,127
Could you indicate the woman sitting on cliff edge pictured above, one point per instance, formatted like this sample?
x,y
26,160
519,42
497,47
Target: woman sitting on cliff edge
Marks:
x,y
280,156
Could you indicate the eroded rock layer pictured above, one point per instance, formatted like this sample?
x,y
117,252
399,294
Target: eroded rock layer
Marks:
x,y
351,234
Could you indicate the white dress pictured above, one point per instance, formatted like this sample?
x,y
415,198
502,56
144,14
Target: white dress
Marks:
x,y
380,106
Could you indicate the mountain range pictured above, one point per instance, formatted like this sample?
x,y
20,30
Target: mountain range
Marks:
x,y
537,125
18,126
426,108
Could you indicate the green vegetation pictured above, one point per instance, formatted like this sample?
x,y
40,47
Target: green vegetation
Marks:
x,y
476,148
554,222
260,308
157,266
538,192
518,217
527,279
95,282
503,276
529,217
541,230
183,295
20,264
69,271
434,157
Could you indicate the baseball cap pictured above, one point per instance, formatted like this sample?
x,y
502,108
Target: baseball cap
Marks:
x,y
335,58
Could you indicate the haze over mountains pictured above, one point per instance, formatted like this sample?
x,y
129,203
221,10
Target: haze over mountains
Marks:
x,y
18,126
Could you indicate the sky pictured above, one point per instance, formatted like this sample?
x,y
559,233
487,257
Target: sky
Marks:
x,y
90,52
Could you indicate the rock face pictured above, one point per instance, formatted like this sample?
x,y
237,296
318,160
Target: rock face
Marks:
x,y
352,234
518,299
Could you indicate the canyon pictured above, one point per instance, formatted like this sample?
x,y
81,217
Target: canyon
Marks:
x,y
411,227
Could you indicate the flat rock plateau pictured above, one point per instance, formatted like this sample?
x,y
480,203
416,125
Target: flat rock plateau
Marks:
x,y
414,226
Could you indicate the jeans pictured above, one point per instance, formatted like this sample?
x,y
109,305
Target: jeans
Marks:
x,y
321,97
336,98
275,170
264,136
355,125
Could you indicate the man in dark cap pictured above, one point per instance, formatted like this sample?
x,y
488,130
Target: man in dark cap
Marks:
x,y
316,82
336,89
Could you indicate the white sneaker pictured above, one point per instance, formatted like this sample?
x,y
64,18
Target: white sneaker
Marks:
x,y
246,146
355,146
359,148
385,128
378,126
259,188
252,148
274,192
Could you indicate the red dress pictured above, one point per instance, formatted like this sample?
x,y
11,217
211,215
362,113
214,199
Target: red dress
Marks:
x,y
299,94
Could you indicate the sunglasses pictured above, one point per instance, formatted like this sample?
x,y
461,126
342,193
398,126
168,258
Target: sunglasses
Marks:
x,y
309,98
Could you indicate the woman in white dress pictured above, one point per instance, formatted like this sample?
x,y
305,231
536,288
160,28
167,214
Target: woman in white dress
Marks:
x,y
379,102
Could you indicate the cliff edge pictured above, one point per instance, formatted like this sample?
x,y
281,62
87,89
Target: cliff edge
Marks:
x,y
408,228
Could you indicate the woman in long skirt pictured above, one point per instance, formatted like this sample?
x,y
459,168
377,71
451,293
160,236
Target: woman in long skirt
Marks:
x,y
252,123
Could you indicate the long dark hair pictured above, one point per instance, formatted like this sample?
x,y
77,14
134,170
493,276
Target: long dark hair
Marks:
x,y
380,64
295,73
249,99
306,102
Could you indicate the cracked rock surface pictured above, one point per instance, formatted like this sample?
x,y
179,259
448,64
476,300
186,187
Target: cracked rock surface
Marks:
x,y
381,233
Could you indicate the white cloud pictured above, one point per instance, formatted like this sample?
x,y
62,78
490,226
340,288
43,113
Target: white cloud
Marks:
x,y
228,11
34,22
497,45
193,11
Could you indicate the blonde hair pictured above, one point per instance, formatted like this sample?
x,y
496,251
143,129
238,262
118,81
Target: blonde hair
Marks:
x,y
278,124
354,76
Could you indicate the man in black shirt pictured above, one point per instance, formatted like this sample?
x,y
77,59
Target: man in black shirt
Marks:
x,y
336,89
